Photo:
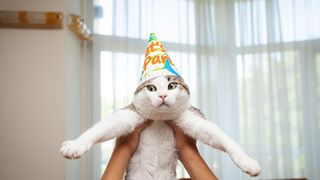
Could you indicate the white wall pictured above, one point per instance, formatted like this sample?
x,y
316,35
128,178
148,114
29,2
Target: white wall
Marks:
x,y
39,96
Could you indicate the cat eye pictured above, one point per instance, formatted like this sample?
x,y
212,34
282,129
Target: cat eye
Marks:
x,y
172,85
151,88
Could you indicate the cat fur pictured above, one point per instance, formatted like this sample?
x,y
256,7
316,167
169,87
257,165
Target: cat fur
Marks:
x,y
156,156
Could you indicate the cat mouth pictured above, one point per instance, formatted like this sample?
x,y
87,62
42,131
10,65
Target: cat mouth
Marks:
x,y
163,104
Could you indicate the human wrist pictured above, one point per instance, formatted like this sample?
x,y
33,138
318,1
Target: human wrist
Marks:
x,y
124,148
187,152
195,165
118,162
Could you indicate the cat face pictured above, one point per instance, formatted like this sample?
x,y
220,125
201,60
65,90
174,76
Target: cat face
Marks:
x,y
162,98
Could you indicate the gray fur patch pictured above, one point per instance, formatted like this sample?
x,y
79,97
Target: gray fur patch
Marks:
x,y
197,112
131,107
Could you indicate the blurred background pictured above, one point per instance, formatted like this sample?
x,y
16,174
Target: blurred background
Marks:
x,y
253,68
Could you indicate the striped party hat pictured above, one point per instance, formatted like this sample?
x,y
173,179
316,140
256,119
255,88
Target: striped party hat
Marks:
x,y
157,62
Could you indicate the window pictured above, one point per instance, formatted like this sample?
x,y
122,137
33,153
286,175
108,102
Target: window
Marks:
x,y
318,86
290,20
274,42
120,18
270,80
253,60
119,77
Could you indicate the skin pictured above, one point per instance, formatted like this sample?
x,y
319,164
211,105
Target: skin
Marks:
x,y
124,148
190,157
187,151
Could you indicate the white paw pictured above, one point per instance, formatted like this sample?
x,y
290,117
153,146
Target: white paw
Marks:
x,y
247,165
251,167
73,149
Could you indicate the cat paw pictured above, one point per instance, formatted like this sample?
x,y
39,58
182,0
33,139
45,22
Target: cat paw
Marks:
x,y
251,167
73,149
246,164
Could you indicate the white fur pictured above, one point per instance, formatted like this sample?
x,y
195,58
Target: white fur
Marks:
x,y
212,135
156,157
120,123
147,103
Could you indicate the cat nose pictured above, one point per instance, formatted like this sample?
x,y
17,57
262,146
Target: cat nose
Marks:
x,y
163,97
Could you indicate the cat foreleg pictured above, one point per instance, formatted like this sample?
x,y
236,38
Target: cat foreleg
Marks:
x,y
120,123
197,127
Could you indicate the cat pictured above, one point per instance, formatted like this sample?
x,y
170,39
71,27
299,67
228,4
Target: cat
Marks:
x,y
163,98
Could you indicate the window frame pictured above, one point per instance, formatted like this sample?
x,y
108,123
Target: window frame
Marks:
x,y
116,44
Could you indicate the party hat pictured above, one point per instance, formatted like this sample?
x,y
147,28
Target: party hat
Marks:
x,y
157,62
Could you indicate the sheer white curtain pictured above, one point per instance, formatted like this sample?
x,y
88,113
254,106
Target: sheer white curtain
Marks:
x,y
253,67
277,44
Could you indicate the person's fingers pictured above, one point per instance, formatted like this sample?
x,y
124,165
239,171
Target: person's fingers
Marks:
x,y
177,130
119,139
149,122
170,123
135,132
179,134
142,126
174,127
191,140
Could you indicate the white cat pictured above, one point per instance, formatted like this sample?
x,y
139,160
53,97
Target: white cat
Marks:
x,y
159,99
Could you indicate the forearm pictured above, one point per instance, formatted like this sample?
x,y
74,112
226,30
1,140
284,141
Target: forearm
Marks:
x,y
118,163
195,165
125,147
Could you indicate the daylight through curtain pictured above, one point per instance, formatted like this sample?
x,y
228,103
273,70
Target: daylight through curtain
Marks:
x,y
253,67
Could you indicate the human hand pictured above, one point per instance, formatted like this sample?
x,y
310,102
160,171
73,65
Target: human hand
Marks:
x,y
125,146
190,156
131,141
183,141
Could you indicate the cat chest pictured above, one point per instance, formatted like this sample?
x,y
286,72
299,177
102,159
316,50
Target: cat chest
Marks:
x,y
157,144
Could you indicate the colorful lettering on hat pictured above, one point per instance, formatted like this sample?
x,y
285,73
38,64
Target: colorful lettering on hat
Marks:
x,y
157,62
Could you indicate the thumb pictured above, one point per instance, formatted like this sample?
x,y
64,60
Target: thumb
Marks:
x,y
142,126
172,125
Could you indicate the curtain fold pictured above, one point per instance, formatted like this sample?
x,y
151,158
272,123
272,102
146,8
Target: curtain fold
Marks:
x,y
253,67
274,46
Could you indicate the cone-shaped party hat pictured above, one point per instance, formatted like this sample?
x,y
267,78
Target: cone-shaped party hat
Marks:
x,y
157,62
